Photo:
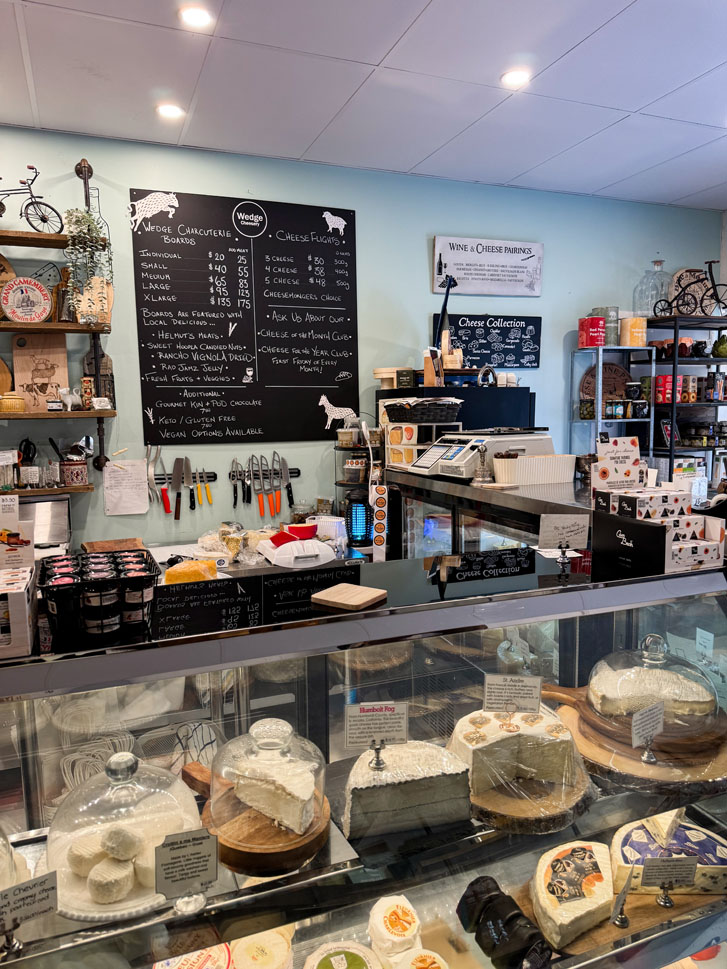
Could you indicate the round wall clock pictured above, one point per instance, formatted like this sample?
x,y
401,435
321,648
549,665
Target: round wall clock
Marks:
x,y
25,300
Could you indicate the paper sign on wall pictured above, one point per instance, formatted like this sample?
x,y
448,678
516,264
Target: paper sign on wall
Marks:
x,y
488,267
376,721
512,694
125,488
570,530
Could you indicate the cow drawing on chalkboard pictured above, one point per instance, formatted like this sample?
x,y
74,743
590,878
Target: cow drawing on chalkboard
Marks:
x,y
334,222
151,205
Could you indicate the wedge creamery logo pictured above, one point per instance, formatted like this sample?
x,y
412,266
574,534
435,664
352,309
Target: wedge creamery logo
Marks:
x,y
249,219
624,541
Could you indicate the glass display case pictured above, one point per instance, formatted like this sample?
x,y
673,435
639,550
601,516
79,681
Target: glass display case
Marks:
x,y
241,715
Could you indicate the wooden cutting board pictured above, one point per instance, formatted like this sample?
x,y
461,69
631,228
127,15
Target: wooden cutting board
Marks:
x,y
41,367
349,597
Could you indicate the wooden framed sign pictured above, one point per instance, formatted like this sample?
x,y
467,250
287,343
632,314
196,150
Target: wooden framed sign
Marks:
x,y
488,267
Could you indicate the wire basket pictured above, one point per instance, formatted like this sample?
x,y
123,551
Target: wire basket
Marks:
x,y
432,410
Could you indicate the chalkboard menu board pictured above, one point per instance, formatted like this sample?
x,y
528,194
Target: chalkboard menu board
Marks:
x,y
286,595
246,315
503,342
191,608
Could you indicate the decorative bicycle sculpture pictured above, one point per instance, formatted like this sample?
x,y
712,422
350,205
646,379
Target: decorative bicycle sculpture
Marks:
x,y
692,295
39,215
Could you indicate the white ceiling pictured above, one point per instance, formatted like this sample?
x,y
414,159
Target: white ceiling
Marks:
x,y
628,97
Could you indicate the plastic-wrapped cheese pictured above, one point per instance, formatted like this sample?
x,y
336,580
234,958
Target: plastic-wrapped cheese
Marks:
x,y
84,853
194,570
264,950
110,881
394,927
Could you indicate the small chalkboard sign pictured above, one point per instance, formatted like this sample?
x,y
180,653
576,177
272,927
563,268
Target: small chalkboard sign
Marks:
x,y
497,564
286,595
192,608
503,342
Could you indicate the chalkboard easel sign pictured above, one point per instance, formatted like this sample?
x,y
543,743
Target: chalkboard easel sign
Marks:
x,y
246,316
503,342
193,608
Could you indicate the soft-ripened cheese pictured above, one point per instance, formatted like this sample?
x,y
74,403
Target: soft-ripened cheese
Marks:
x,y
420,959
422,785
145,866
633,842
342,955
84,853
623,692
121,842
662,827
284,792
110,881
500,748
394,928
572,890
264,950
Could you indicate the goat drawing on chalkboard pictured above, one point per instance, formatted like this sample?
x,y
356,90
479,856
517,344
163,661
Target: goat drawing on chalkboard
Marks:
x,y
334,222
344,414
151,205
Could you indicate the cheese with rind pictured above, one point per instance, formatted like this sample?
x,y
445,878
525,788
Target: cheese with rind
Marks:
x,y
342,955
621,693
84,853
572,890
284,792
394,928
110,881
663,827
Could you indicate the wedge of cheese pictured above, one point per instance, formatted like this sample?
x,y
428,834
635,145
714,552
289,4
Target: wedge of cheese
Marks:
x,y
663,827
572,890
634,842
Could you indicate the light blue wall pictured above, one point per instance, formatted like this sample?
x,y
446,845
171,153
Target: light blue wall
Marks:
x,y
595,252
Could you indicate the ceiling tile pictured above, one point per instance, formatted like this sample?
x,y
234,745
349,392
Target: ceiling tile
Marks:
x,y
262,101
651,48
348,29
397,118
14,100
163,13
702,101
689,173
113,74
710,198
630,146
517,135
478,40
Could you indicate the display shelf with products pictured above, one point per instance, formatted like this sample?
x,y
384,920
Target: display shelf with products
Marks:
x,y
406,828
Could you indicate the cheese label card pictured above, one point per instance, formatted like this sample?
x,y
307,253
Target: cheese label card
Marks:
x,y
566,530
647,724
29,900
572,874
512,694
674,871
705,643
621,897
186,863
376,721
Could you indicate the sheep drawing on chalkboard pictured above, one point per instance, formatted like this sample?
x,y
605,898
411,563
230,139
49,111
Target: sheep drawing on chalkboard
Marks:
x,y
151,205
344,414
334,222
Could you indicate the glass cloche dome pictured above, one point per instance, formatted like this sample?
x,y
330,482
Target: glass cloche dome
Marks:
x,y
7,863
267,798
630,680
102,838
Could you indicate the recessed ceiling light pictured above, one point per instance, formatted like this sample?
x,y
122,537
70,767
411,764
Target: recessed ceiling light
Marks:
x,y
195,16
172,112
516,78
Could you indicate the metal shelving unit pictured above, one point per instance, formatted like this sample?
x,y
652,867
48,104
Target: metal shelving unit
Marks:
x,y
598,423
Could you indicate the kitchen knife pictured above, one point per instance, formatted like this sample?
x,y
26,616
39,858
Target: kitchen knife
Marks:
x,y
165,488
199,489
286,481
206,487
188,482
177,474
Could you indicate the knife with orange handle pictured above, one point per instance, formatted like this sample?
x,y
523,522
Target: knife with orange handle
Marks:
x,y
206,487
277,482
257,482
199,489
267,483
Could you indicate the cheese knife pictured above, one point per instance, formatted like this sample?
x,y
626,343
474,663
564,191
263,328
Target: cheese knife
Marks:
x,y
177,474
286,481
206,487
189,483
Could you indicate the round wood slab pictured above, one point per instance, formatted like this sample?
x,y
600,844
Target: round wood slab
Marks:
x,y
623,765
271,849
538,807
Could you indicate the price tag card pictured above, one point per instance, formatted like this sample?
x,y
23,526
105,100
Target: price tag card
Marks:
x,y
186,863
571,530
29,900
376,721
512,694
647,724
705,643
660,871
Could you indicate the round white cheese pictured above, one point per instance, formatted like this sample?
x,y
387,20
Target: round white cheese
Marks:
x,y
110,881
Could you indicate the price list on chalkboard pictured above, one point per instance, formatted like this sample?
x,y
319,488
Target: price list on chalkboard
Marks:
x,y
246,316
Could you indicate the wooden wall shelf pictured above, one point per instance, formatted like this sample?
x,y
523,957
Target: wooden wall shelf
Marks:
x,y
56,415
43,492
52,326
34,240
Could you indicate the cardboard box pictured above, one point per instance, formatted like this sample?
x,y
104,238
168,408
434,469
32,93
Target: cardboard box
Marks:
x,y
18,612
658,503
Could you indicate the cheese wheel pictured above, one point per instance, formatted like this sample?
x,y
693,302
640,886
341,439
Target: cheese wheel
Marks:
x,y
264,950
394,927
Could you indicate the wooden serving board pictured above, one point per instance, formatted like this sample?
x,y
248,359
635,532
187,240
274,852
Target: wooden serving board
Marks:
x,y
372,659
41,367
623,765
642,910
350,597
270,849
678,741
115,545
537,808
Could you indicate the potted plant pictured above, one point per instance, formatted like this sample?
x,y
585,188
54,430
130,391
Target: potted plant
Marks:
x,y
90,269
